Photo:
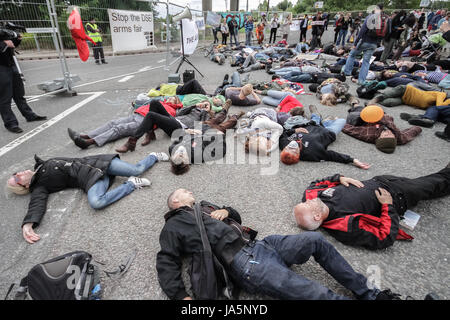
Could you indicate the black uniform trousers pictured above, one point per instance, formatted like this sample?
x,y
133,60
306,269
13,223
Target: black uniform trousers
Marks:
x,y
11,88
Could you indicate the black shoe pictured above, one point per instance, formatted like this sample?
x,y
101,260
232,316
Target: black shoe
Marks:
x,y
79,142
37,118
15,129
104,62
438,134
97,62
387,295
225,79
423,122
406,116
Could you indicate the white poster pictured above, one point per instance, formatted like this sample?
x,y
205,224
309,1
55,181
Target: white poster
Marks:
x,y
213,19
131,30
190,35
295,25
318,5
200,21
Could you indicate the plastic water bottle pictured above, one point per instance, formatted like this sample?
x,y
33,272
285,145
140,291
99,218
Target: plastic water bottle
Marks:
x,y
96,292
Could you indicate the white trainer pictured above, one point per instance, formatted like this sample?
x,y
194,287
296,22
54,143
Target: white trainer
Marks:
x,y
161,156
139,182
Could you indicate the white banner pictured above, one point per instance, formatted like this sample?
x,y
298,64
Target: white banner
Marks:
x,y
131,30
213,19
295,25
190,36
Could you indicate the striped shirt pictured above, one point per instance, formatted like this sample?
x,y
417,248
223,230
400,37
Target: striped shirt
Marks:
x,y
433,76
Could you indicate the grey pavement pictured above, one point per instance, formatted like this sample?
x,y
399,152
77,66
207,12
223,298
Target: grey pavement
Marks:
x,y
265,202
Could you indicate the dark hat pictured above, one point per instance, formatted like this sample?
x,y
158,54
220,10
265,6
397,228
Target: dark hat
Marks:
x,y
386,145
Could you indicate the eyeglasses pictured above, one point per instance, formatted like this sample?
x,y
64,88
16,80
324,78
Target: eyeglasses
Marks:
x,y
17,180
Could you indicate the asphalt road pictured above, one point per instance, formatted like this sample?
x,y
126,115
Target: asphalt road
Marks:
x,y
264,201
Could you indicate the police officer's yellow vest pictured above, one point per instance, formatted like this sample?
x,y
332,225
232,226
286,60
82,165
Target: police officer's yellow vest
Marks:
x,y
94,35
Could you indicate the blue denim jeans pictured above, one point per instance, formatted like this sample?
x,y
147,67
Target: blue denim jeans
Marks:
x,y
438,113
235,81
98,195
341,36
335,126
264,267
275,97
367,49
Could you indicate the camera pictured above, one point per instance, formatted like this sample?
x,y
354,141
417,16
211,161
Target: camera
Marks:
x,y
10,31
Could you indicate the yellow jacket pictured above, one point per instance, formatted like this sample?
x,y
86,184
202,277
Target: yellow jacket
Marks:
x,y
424,99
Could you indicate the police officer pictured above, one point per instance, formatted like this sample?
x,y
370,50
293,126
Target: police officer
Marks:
x,y
11,87
94,32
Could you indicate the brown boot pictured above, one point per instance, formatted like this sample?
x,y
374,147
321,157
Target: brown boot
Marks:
x,y
130,145
227,105
149,136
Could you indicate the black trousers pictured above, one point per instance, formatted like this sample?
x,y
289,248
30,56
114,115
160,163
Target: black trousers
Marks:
x,y
192,86
98,51
11,88
224,38
273,32
160,117
411,191
303,34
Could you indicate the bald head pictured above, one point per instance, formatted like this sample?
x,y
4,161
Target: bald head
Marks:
x,y
310,214
180,198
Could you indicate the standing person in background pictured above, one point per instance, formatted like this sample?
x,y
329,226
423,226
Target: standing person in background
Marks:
x,y
94,32
215,29
224,30
249,31
273,28
265,22
317,31
260,32
344,23
233,28
303,28
11,88
367,42
392,38
354,29
421,21
326,18
286,26
337,26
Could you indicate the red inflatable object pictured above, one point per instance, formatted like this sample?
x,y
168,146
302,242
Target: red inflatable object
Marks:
x,y
79,35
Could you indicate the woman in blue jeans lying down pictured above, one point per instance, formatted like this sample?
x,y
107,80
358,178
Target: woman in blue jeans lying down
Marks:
x,y
93,174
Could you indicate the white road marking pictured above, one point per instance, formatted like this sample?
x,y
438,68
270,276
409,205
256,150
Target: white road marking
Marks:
x,y
13,144
161,61
125,79
144,69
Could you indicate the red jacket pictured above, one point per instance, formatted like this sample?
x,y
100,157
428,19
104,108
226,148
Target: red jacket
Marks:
x,y
171,108
373,230
289,103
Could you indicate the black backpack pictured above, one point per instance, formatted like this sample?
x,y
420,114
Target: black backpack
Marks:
x,y
367,91
72,276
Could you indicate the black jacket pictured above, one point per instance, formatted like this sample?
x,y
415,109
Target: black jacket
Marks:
x,y
209,146
180,236
314,144
356,216
6,54
57,174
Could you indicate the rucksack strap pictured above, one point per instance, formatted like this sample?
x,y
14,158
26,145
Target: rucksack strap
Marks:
x,y
21,292
123,267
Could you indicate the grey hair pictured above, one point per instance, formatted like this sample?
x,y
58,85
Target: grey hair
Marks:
x,y
309,223
170,199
